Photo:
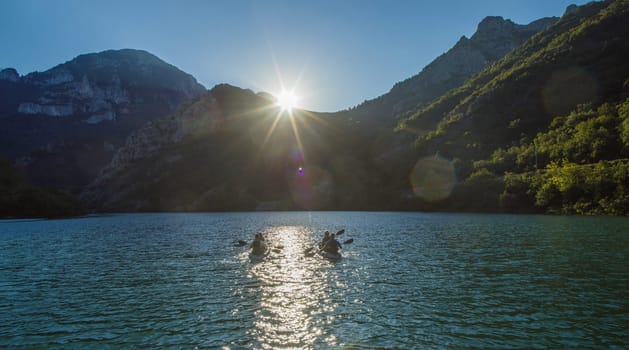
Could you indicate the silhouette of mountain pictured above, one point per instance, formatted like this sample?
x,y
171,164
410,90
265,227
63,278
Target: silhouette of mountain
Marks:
x,y
493,38
531,118
63,125
232,149
229,150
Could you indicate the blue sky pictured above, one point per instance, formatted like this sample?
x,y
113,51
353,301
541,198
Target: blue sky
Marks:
x,y
334,53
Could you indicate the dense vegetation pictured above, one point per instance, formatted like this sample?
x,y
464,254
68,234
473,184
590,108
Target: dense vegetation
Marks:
x,y
573,168
546,128
19,199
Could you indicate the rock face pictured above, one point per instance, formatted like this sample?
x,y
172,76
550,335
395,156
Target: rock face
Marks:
x,y
202,115
91,84
63,117
232,149
493,39
9,74
155,150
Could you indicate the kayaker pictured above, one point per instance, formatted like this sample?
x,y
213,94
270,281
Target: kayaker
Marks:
x,y
326,237
258,246
332,245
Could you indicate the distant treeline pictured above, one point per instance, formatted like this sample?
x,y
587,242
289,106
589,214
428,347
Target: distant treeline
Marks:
x,y
19,199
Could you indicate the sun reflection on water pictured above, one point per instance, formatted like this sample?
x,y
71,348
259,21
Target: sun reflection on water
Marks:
x,y
292,293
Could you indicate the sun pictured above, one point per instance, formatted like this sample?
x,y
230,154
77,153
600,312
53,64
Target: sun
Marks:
x,y
287,100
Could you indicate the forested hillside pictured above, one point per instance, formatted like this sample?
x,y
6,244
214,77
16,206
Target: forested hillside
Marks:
x,y
543,130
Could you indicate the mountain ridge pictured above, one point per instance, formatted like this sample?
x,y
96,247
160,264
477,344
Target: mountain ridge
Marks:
x,y
337,165
440,158
493,38
77,113
572,78
492,143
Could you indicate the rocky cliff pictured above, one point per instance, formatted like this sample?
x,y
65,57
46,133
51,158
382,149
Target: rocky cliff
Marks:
x,y
232,149
62,125
206,144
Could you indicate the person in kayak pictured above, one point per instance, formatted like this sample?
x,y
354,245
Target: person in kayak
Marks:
x,y
332,245
326,237
258,246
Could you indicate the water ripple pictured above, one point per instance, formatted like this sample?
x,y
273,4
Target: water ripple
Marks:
x,y
408,281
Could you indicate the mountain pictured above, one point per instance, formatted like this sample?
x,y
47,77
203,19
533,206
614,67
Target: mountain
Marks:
x,y
61,126
530,118
494,37
375,119
232,149
543,129
171,165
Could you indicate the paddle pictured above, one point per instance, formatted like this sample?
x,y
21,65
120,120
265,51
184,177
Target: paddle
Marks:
x,y
340,232
242,242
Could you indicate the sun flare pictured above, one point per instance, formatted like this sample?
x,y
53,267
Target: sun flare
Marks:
x,y
287,100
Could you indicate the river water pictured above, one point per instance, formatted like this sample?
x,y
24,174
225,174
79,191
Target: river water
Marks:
x,y
408,280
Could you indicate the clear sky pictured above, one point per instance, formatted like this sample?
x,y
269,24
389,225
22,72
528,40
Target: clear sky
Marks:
x,y
334,53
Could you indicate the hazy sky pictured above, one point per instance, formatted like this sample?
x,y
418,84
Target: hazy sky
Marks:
x,y
335,53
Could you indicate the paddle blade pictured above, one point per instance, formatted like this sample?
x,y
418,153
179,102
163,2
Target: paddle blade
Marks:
x,y
242,243
340,232
349,241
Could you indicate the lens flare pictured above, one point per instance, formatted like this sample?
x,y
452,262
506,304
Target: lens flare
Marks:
x,y
310,189
433,178
567,88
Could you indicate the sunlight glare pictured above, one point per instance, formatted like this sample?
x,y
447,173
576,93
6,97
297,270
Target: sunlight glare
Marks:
x,y
287,100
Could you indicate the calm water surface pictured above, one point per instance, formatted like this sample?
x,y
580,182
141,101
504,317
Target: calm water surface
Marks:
x,y
407,281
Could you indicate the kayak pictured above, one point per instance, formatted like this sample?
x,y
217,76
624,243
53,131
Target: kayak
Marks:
x,y
330,256
259,248
259,257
